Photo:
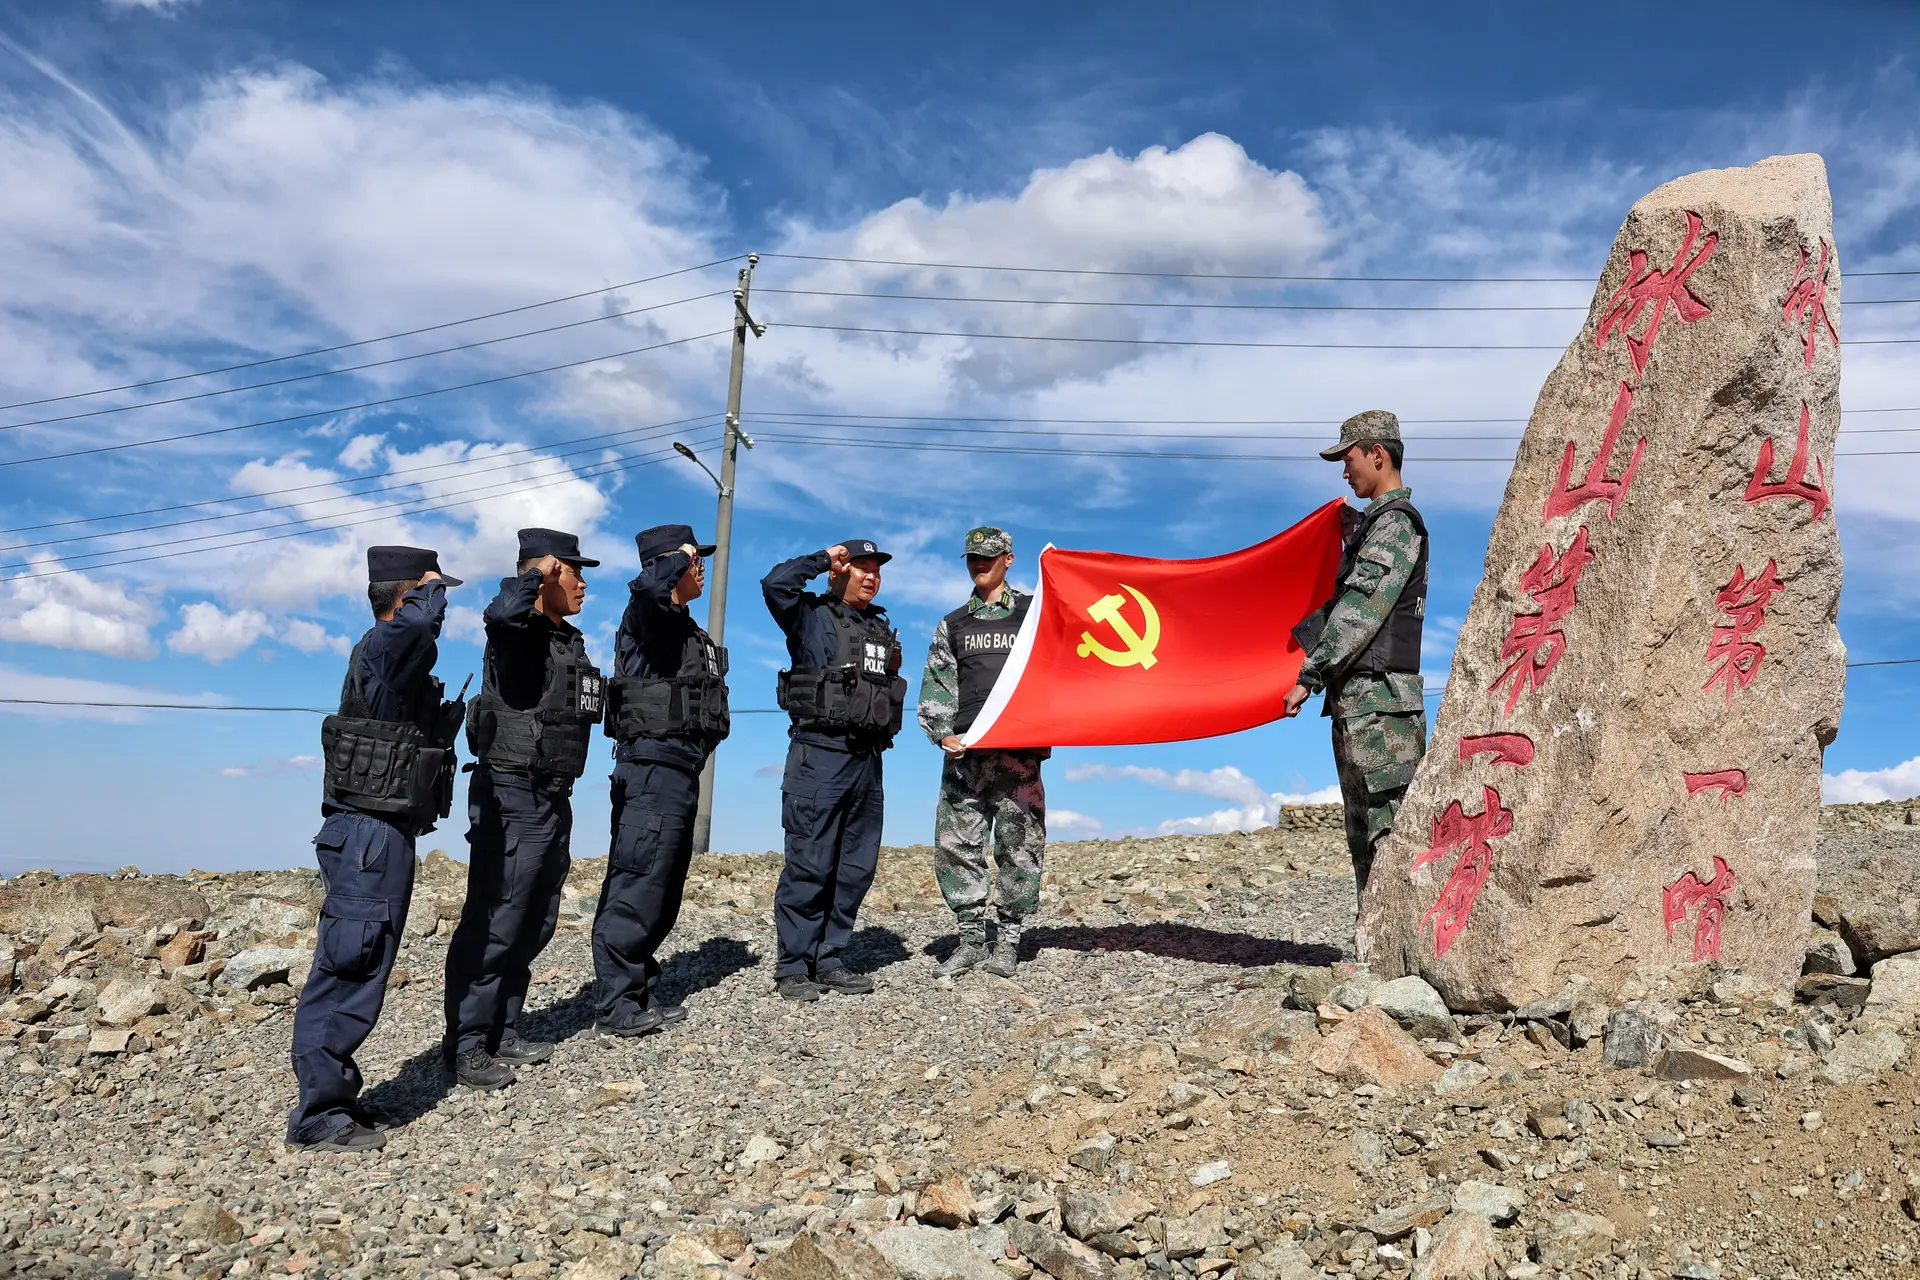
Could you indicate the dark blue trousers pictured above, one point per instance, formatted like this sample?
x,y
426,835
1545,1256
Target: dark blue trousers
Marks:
x,y
366,866
653,808
519,838
831,807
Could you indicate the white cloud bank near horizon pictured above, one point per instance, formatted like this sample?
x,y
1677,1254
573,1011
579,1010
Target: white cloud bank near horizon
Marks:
x,y
1860,786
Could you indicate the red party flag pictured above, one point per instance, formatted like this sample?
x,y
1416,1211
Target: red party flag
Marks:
x,y
1123,649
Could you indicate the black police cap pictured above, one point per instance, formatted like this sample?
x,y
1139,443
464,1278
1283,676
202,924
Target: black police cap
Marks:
x,y
665,539
535,543
404,564
857,547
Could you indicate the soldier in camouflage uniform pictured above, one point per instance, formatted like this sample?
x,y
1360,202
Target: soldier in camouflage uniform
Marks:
x,y
983,793
1366,655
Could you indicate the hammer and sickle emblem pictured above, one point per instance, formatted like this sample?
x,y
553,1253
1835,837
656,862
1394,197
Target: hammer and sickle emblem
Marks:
x,y
1136,648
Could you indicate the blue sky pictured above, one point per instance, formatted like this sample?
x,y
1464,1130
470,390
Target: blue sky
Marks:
x,y
191,185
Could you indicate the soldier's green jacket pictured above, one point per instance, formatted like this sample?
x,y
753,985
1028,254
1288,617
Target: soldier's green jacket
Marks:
x,y
940,682
1380,573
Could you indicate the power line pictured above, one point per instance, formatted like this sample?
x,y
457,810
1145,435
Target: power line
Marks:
x,y
1202,275
355,368
245,538
376,475
1885,662
350,408
1213,306
1178,422
835,420
639,433
363,342
1221,342
227,706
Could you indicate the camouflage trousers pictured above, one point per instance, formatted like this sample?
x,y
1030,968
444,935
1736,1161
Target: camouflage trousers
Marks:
x,y
1376,755
997,796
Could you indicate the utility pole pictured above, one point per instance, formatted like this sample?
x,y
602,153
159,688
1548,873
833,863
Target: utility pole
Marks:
x,y
723,524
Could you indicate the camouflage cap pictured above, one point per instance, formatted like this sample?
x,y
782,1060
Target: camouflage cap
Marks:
x,y
1369,427
989,541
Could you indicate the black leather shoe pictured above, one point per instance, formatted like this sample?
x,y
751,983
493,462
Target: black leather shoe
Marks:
x,y
478,1069
845,981
671,1013
519,1051
373,1117
797,987
631,1024
355,1137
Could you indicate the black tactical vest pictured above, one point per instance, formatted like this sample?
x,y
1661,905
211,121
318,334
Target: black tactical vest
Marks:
x,y
860,691
551,737
981,646
690,704
1396,646
393,769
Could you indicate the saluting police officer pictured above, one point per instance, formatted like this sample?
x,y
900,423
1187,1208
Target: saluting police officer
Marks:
x,y
984,794
845,697
389,777
667,710
540,698
1366,655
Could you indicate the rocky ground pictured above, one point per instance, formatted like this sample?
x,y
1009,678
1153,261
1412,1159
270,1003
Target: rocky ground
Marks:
x,y
1187,1079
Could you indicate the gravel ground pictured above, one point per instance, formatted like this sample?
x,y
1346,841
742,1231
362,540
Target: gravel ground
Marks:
x,y
1135,1052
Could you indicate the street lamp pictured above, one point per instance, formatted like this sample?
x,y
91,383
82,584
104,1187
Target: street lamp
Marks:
x,y
694,458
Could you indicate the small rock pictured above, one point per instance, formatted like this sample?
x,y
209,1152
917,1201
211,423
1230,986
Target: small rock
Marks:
x,y
1370,1047
1095,1153
1488,1199
813,1256
1827,952
1416,1006
1844,993
122,1003
1211,1172
1462,1077
1404,1220
109,1040
1353,991
1371,1152
1632,1038
263,966
1896,984
1698,1064
945,1202
1282,1260
1572,1237
1549,1124
688,1257
1695,1270
1464,1247
760,1149
1059,1256
1196,1233
206,1220
1812,1121
1861,1055
1091,1213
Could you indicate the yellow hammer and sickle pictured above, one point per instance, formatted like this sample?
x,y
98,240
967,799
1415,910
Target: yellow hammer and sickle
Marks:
x,y
1137,649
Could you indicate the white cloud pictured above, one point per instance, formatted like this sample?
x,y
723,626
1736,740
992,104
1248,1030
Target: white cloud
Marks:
x,y
463,623
74,611
1256,806
268,765
16,683
215,634
1066,824
362,452
1858,786
311,637
152,6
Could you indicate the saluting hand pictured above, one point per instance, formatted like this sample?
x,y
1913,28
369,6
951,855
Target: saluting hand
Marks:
x,y
837,558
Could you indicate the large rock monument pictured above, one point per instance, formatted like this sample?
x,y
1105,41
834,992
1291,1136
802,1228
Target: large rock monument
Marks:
x,y
1625,770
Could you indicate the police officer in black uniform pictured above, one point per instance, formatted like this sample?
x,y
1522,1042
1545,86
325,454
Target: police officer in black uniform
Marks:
x,y
540,698
389,777
667,710
845,696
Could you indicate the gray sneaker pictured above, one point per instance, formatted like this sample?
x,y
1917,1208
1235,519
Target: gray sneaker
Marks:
x,y
968,955
1005,958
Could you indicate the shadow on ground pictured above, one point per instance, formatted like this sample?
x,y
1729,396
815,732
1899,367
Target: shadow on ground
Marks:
x,y
1177,942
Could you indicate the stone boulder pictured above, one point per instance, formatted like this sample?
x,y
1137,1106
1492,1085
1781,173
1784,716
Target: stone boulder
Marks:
x,y
264,967
1370,1048
928,1253
85,903
1625,769
1872,889
815,1256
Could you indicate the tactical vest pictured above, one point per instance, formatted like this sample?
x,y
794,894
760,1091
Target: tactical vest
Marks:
x,y
551,737
393,769
980,647
859,691
692,703
1396,646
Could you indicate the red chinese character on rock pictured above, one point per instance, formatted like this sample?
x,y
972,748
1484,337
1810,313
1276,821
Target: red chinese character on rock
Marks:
x,y
1808,299
1566,497
1796,484
1689,891
1535,643
1506,748
1744,600
1469,834
1728,782
1644,286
